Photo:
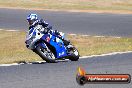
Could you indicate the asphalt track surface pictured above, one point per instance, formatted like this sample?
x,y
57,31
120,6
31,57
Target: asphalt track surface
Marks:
x,y
63,74
71,22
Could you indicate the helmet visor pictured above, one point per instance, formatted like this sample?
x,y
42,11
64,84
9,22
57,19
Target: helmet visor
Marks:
x,y
30,22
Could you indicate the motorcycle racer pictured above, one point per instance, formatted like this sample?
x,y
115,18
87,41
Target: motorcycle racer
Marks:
x,y
33,21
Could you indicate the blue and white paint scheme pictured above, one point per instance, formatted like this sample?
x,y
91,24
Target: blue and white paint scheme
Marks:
x,y
35,37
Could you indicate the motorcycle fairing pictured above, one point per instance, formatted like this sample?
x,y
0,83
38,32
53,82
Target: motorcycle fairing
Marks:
x,y
58,45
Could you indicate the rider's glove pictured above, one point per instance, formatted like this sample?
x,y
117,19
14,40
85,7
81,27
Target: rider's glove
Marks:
x,y
43,23
57,32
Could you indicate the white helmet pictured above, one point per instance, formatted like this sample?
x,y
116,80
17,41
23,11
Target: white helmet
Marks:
x,y
31,18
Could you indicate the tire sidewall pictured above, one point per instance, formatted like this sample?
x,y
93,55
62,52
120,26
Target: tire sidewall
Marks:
x,y
74,57
43,56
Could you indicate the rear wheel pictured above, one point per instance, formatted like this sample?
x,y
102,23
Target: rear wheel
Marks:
x,y
45,54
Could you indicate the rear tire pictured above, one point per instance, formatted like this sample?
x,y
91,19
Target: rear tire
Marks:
x,y
45,54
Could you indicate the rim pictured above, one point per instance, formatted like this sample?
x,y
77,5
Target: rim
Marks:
x,y
47,53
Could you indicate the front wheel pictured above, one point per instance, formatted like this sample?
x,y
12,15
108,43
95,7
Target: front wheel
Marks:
x,y
74,54
45,54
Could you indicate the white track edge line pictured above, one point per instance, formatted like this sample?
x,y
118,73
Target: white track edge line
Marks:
x,y
108,54
11,30
13,64
83,57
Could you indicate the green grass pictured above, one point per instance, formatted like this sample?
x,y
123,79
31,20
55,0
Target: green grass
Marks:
x,y
12,46
125,5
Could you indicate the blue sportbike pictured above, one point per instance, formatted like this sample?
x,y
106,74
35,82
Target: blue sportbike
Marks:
x,y
48,46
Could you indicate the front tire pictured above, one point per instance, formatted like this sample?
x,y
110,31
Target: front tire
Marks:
x,y
74,54
45,54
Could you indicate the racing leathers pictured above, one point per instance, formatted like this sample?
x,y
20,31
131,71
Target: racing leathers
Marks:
x,y
48,29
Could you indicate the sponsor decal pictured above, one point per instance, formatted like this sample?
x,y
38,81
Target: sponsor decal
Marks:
x,y
61,53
